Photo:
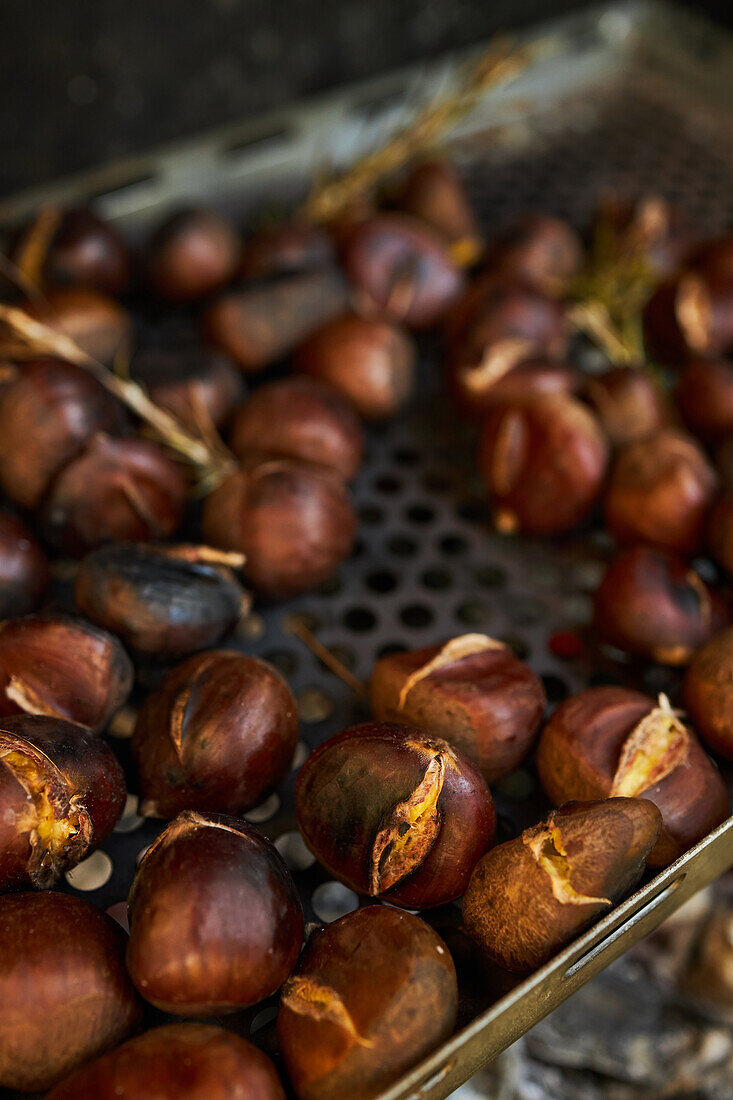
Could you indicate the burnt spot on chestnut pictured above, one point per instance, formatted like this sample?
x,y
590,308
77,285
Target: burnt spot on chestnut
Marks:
x,y
395,813
628,403
373,994
24,572
472,691
286,250
215,919
197,385
61,793
99,325
65,993
162,601
539,251
81,250
433,192
192,254
218,734
610,741
709,693
530,897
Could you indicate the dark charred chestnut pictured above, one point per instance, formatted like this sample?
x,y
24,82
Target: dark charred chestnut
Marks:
x,y
286,250
48,411
61,793
215,919
163,601
530,897
81,250
471,691
709,693
300,418
373,994
653,604
704,396
395,813
96,323
193,253
258,325
609,741
628,403
543,461
650,227
401,270
292,521
370,362
660,491
191,1061
720,530
65,993
63,668
24,574
704,313
434,193
218,734
539,251
198,386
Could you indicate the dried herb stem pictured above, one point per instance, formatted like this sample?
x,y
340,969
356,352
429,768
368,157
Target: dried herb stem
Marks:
x,y
295,625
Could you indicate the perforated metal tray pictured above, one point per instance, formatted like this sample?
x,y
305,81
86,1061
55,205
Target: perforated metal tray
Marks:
x,y
628,96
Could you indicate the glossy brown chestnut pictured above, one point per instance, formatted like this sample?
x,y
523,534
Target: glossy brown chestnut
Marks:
x,y
628,403
163,601
609,741
193,253
433,192
539,251
704,313
373,994
97,324
292,521
651,227
65,993
530,897
24,573
652,604
504,382
215,919
300,418
257,325
472,691
82,250
218,734
199,386
395,813
660,491
713,258
720,529
663,338
61,793
115,490
48,411
704,396
543,460
401,270
286,250
709,693
370,362
177,1062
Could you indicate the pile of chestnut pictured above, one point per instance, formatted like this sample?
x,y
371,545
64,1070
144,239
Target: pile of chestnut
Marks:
x,y
399,808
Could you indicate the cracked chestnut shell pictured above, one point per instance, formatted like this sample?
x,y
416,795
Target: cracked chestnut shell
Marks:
x,y
610,741
653,604
218,734
628,403
162,601
540,251
503,381
62,667
660,491
65,993
543,461
99,325
704,313
177,1061
704,396
286,250
82,250
530,897
433,192
471,691
24,572
61,793
373,994
292,521
192,254
709,693
195,384
300,418
393,812
215,919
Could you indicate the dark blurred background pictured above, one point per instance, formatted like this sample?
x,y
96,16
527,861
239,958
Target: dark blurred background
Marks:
x,y
85,81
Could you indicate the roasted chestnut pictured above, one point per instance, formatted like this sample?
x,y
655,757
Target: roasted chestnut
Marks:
x,y
543,460
704,313
65,994
97,324
713,258
48,411
218,734
660,491
472,691
177,1062
506,377
434,194
300,418
215,919
257,325
24,573
530,897
63,668
76,249
163,601
628,403
192,254
373,994
653,604
61,793
115,490
709,693
292,521
286,250
370,362
720,530
664,340
650,227
198,386
401,270
704,396
610,741
539,251
395,813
